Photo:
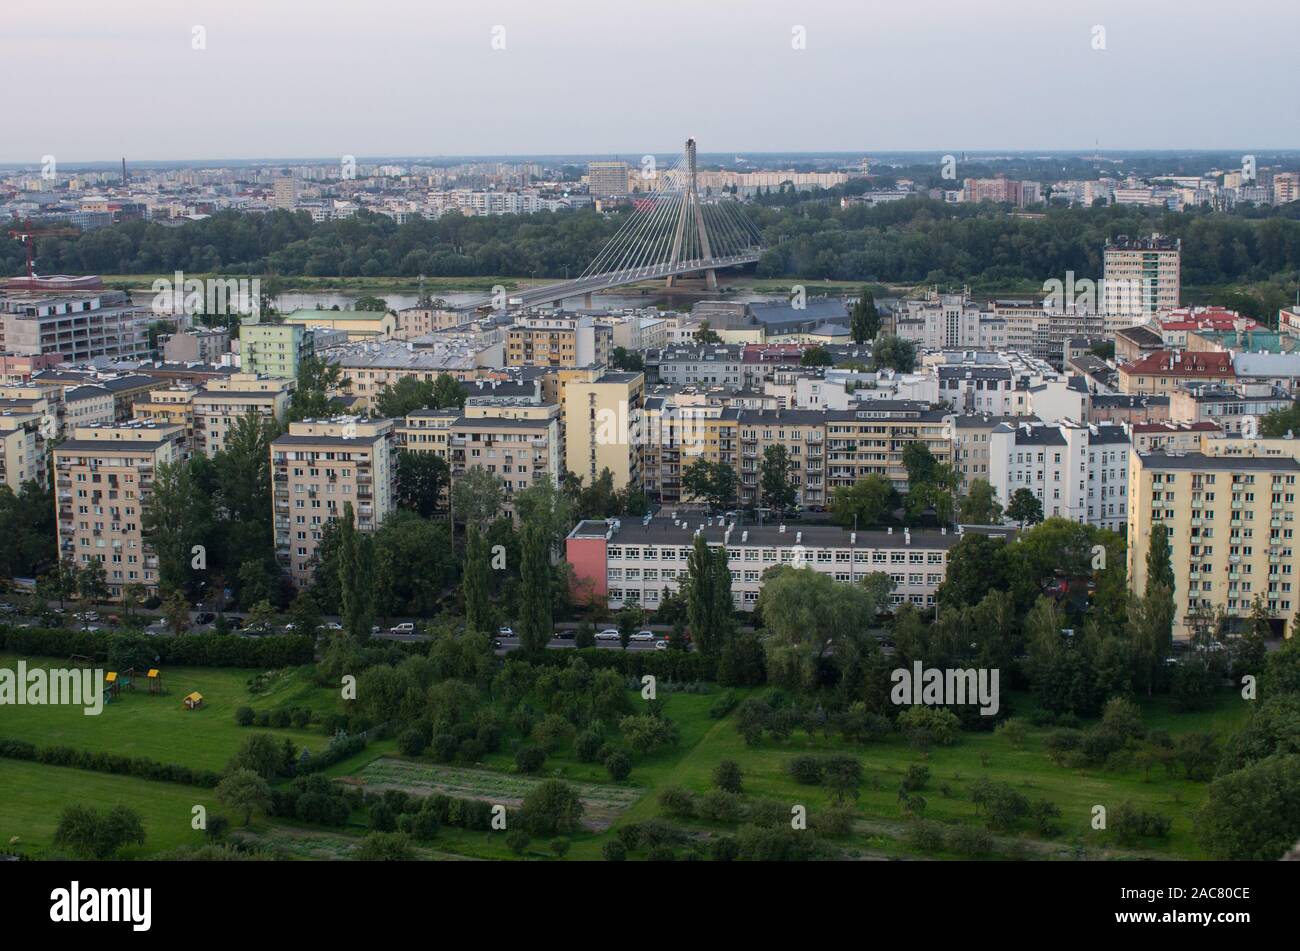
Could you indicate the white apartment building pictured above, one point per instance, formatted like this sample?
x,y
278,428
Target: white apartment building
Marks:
x,y
1077,471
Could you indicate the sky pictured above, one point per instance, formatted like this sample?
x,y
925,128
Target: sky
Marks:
x,y
324,78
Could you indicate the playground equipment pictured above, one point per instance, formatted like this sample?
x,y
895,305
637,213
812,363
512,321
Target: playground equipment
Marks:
x,y
155,680
194,701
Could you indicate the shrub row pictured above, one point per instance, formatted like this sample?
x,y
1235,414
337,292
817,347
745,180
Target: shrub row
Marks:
x,y
670,665
137,766
189,650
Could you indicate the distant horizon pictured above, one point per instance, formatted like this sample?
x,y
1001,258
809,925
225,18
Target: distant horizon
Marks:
x,y
726,156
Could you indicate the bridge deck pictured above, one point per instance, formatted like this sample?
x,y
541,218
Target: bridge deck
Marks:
x,y
602,282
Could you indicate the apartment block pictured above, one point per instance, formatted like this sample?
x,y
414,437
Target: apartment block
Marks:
x,y
1150,266
607,179
603,427
971,436
273,350
519,443
104,478
28,423
220,405
1162,372
558,342
195,346
1077,471
870,439
79,327
1231,522
749,434
172,405
317,467
1232,408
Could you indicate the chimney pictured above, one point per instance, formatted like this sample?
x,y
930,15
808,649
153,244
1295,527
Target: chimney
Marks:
x,y
744,536
853,538
798,538
781,530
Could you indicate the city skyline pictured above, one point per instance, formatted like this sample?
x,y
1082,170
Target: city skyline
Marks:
x,y
763,78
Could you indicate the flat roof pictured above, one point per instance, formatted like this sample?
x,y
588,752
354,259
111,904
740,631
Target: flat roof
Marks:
x,y
662,531
1196,461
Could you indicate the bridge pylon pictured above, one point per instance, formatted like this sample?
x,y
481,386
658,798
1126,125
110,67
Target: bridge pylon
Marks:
x,y
692,216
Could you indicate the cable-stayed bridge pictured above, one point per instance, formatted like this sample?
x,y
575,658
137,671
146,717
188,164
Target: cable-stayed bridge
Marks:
x,y
670,233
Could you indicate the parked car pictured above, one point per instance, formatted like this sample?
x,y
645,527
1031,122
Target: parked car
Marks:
x,y
643,636
204,617
7,608
505,632
661,645
333,626
406,627
566,634
609,634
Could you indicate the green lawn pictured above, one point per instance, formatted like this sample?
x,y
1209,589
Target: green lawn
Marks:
x,y
158,727
35,794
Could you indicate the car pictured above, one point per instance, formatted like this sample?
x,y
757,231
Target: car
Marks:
x,y
643,636
566,634
204,617
496,643
333,626
505,632
406,627
661,645
7,608
609,634
114,619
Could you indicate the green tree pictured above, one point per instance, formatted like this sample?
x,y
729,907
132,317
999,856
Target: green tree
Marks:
x,y
629,361
816,357
1025,507
92,583
700,599
90,834
706,335
980,505
715,482
176,611
774,478
864,322
536,623
177,516
550,808
244,792
1253,813
629,620
318,382
422,477
546,505
356,588
866,503
893,353
448,392
475,584
476,497
808,613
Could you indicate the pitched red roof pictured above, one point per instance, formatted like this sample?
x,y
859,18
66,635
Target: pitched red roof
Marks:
x,y
1182,363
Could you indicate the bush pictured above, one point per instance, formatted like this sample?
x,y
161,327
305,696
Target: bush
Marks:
x,y
551,808
410,743
1014,730
719,805
968,840
1129,824
806,770
727,776
618,765
613,851
916,778
244,716
301,718
517,840
724,704
587,746
560,846
530,759
929,726
924,835
677,802
723,848
834,821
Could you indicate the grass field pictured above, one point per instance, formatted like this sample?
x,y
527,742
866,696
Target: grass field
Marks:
x,y
32,795
158,727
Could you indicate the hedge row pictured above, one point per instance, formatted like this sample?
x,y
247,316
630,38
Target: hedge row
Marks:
x,y
669,665
137,766
188,650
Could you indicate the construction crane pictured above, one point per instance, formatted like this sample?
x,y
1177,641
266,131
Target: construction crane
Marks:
x,y
29,233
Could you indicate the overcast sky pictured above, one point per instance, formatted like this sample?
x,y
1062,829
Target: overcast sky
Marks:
x,y
93,80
